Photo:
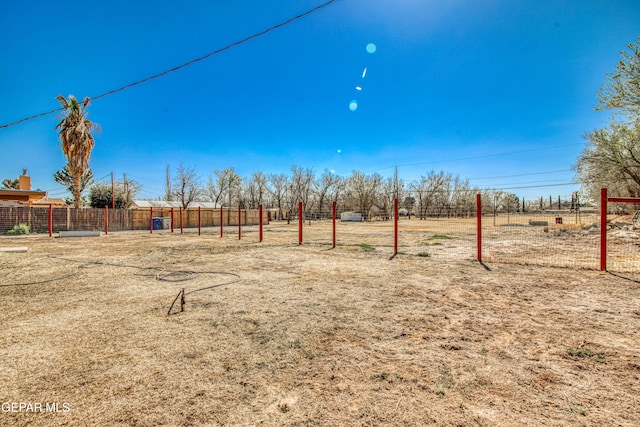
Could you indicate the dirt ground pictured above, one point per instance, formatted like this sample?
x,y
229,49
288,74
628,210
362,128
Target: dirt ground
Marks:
x,y
275,334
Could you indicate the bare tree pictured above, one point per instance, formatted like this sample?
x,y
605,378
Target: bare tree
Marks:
x,y
325,185
427,190
187,187
278,184
301,187
255,190
390,189
363,188
225,188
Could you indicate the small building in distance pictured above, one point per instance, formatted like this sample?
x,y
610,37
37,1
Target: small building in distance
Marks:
x,y
351,216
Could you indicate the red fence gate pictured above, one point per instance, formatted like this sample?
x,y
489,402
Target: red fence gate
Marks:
x,y
624,258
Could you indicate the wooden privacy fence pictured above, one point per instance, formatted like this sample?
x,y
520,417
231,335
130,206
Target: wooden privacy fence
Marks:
x,y
93,219
208,217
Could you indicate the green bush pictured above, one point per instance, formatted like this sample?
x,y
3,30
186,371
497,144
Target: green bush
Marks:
x,y
18,230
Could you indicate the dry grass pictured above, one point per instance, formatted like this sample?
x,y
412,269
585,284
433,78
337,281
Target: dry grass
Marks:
x,y
311,335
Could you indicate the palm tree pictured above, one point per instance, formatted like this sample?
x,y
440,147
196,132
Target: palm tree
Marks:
x,y
77,141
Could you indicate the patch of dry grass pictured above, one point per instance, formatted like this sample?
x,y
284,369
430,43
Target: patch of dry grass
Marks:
x,y
311,335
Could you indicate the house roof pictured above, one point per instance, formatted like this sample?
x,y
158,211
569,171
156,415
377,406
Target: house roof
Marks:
x,y
21,195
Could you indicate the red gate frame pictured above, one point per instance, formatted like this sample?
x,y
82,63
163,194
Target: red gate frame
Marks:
x,y
604,199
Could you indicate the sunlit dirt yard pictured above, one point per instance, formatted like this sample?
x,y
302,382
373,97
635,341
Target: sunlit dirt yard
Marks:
x,y
277,333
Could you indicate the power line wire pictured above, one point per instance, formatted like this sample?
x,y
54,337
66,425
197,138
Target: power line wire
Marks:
x,y
186,64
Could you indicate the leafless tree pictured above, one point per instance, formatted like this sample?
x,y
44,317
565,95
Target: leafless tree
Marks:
x,y
301,187
255,190
362,189
187,187
277,187
325,185
225,187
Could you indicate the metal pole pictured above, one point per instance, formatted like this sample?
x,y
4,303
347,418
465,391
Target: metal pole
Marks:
x,y
239,222
181,230
300,221
172,220
50,220
603,229
333,219
198,220
479,225
151,220
260,220
106,219
395,226
221,220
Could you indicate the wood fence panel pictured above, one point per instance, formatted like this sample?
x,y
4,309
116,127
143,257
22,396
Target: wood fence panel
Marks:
x,y
92,219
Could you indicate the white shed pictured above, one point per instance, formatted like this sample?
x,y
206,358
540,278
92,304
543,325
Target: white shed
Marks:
x,y
351,216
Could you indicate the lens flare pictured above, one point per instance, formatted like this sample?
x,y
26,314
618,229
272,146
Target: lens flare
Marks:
x,y
353,105
371,48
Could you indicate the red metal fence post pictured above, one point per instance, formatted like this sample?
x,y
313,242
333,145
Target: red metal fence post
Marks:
x,y
50,223
239,222
106,219
181,230
260,220
395,226
151,220
172,220
603,229
333,220
198,220
221,221
300,220
479,225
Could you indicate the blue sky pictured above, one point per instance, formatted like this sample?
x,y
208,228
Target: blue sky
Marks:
x,y
478,89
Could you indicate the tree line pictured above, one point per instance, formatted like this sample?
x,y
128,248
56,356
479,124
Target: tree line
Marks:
x,y
434,194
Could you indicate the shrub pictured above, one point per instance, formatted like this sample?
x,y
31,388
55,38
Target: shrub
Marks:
x,y
18,230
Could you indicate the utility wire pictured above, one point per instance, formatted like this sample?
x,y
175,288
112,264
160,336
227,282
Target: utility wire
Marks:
x,y
186,64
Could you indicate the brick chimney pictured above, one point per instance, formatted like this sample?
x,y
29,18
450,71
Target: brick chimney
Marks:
x,y
24,182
